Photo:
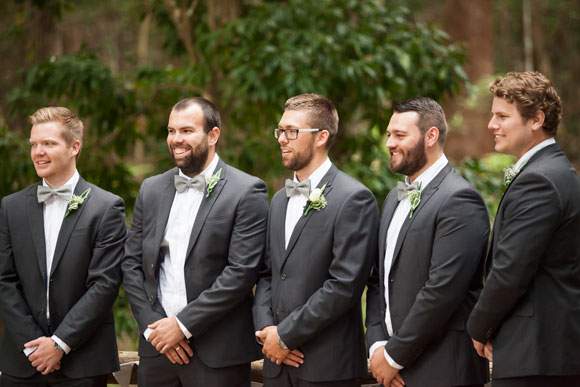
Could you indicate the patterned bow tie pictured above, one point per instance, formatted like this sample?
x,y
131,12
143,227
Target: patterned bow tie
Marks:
x,y
293,188
403,189
182,184
44,193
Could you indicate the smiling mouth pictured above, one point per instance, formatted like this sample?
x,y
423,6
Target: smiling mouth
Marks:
x,y
180,150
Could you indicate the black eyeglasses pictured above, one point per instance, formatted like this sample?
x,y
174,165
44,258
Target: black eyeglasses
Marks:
x,y
292,134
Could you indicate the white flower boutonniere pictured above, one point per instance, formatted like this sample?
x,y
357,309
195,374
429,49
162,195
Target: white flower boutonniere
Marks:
x,y
510,173
414,196
211,181
76,201
316,200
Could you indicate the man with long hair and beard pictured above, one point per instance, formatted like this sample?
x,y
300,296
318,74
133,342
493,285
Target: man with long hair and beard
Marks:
x,y
192,257
432,238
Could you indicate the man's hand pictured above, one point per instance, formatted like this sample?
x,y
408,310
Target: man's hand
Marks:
x,y
276,354
382,370
483,350
166,334
46,358
180,354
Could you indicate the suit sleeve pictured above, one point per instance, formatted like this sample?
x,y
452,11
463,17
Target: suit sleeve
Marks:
x,y
374,315
461,234
16,314
103,280
133,276
531,210
239,276
355,245
262,309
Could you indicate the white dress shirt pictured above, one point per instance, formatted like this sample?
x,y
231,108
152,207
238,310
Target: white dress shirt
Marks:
x,y
399,217
172,293
296,203
528,155
53,211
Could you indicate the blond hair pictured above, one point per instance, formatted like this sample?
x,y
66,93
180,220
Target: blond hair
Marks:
x,y
73,126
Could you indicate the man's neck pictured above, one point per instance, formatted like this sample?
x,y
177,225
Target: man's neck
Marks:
x,y
59,181
431,159
312,166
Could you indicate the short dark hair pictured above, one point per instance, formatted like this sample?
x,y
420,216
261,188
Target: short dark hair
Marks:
x,y
322,113
531,91
210,113
431,114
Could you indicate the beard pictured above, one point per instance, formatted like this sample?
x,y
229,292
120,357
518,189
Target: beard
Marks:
x,y
300,160
412,160
193,164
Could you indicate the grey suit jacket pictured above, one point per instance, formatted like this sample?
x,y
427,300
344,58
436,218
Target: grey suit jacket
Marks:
x,y
312,290
84,281
434,281
530,305
224,253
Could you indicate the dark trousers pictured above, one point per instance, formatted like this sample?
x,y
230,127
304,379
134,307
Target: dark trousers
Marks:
x,y
288,378
538,381
160,372
54,379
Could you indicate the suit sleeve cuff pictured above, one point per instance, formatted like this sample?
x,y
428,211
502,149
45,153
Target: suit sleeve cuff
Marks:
x,y
393,363
183,329
61,343
376,345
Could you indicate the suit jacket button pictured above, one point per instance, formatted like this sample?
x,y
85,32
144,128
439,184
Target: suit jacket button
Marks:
x,y
283,276
150,298
152,266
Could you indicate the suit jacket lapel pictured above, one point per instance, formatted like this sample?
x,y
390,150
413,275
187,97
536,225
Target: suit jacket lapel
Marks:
x,y
68,225
390,206
428,191
35,218
206,205
165,201
328,179
279,207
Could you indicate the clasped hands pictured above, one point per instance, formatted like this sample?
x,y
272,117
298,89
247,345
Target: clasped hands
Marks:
x,y
45,358
383,372
168,339
484,350
269,338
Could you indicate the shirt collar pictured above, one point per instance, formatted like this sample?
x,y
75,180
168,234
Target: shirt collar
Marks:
x,y
208,171
72,182
429,174
528,155
318,174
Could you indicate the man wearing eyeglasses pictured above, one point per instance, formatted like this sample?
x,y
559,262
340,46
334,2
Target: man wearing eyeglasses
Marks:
x,y
321,240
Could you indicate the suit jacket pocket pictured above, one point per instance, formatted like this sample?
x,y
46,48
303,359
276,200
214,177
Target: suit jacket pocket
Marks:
x,y
524,309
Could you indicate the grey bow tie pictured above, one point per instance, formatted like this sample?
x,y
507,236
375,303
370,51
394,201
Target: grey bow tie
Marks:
x,y
403,188
44,193
182,184
293,188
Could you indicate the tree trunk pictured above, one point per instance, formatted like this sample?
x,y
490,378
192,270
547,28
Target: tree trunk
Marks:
x,y
470,22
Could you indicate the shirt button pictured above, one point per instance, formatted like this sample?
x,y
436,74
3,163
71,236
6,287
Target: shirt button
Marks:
x,y
283,276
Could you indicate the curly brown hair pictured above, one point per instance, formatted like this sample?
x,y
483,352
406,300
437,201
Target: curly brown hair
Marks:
x,y
531,91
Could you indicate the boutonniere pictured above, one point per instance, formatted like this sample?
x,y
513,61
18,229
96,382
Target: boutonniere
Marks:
x,y
316,200
76,201
414,196
211,181
510,173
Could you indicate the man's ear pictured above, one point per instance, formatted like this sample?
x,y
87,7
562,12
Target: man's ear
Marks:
x,y
431,136
322,138
75,148
213,135
538,120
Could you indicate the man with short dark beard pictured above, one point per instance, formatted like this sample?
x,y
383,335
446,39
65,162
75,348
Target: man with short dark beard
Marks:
x,y
192,257
321,241
427,274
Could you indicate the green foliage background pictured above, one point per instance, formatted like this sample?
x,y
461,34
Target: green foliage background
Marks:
x,y
364,55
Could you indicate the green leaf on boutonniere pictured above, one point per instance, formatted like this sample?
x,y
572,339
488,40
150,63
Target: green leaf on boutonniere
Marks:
x,y
415,198
76,201
316,200
211,181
